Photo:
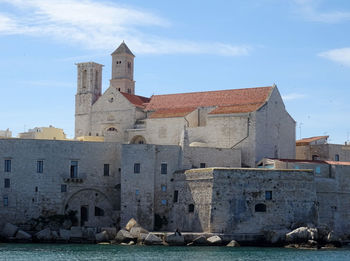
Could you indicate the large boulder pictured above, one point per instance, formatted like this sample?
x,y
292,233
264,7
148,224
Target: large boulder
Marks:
x,y
111,232
64,234
44,235
102,237
302,234
9,230
22,235
199,241
137,230
132,223
175,239
233,243
152,239
141,238
214,240
332,237
123,236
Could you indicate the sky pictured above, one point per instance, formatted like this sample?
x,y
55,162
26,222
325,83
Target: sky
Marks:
x,y
303,46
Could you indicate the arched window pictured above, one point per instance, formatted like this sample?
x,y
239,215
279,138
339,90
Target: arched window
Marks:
x,y
138,140
112,129
84,79
336,157
260,207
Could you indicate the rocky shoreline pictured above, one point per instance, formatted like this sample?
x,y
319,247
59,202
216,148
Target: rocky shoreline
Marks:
x,y
308,237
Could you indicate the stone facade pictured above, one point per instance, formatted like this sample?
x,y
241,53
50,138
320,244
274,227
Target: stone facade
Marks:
x,y
254,120
229,201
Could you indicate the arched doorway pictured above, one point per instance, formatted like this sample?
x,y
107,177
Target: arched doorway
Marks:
x,y
138,140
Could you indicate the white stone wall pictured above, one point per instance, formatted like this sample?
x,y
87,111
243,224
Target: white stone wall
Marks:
x,y
32,194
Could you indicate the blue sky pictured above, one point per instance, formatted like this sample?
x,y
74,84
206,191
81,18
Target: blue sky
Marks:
x,y
181,46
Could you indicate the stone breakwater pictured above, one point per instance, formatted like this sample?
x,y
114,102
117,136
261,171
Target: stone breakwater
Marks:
x,y
133,233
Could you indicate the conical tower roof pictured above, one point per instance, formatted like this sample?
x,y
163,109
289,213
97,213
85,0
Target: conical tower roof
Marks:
x,y
123,48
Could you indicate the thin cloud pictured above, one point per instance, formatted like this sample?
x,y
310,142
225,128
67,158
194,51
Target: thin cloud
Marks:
x,y
100,25
341,55
310,10
293,96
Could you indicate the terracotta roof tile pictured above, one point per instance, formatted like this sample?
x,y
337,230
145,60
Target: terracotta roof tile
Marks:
x,y
237,100
307,141
138,101
171,113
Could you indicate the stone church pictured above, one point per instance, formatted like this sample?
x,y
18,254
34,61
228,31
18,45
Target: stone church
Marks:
x,y
253,120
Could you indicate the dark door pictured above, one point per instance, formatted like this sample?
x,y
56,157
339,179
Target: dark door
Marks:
x,y
84,215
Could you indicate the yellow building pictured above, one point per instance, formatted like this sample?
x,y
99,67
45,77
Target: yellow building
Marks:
x,y
43,133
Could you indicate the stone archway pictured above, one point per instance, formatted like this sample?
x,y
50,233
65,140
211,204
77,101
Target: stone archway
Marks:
x,y
138,139
93,208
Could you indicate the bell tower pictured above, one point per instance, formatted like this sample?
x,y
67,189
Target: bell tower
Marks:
x,y
89,89
123,69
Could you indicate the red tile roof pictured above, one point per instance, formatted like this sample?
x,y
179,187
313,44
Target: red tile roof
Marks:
x,y
171,113
307,141
226,101
138,101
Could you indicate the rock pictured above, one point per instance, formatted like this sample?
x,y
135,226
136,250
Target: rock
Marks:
x,y
44,235
132,223
136,231
104,243
175,240
332,237
233,243
89,233
102,237
323,231
111,232
9,230
21,235
131,243
214,240
67,224
153,240
76,232
200,241
302,234
312,243
123,236
54,234
141,238
65,234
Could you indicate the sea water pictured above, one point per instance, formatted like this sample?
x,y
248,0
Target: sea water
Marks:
x,y
57,252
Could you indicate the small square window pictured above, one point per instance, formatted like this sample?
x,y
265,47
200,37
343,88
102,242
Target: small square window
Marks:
x,y
163,201
40,166
106,170
99,212
164,188
190,208
7,165
202,165
7,183
268,195
6,201
63,188
164,168
137,168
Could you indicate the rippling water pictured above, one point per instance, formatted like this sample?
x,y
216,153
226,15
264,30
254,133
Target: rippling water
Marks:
x,y
40,252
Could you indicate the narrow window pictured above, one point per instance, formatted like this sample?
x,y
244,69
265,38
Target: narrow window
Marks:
x,y
137,192
164,188
202,165
36,189
164,168
40,166
106,170
74,169
7,183
268,195
7,165
176,196
336,157
163,201
315,157
260,208
63,188
129,90
190,208
137,168
99,212
318,170
6,201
